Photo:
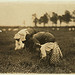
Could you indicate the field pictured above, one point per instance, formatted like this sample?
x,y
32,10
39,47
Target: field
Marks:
x,y
26,61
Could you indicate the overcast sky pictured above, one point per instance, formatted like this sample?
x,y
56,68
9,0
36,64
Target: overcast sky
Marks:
x,y
15,13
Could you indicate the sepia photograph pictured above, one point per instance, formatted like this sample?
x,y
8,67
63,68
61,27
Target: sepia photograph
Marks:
x,y
37,36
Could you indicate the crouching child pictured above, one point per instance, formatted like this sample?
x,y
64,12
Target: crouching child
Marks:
x,y
22,36
53,50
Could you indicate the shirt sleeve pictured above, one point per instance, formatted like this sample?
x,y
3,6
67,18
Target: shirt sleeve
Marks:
x,y
43,52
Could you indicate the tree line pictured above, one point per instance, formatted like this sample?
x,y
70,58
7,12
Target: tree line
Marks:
x,y
66,18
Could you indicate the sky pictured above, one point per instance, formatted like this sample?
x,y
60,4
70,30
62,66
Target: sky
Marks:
x,y
14,13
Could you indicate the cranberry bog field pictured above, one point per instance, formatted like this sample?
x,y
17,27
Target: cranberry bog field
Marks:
x,y
26,61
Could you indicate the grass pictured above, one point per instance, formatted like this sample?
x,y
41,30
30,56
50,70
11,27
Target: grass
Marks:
x,y
24,61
